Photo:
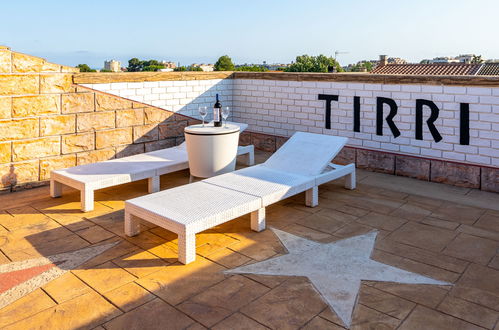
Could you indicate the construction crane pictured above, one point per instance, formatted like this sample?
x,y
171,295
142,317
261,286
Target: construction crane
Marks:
x,y
337,52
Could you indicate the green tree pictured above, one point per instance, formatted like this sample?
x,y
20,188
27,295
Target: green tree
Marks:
x,y
134,65
105,70
85,68
477,59
252,68
224,63
321,63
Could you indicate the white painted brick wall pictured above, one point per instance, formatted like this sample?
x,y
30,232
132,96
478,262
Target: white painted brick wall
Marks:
x,y
184,97
302,111
283,107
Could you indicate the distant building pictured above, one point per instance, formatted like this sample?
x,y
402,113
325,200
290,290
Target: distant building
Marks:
x,y
437,68
204,67
168,64
464,58
112,65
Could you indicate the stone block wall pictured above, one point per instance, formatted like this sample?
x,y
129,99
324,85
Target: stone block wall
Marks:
x,y
47,122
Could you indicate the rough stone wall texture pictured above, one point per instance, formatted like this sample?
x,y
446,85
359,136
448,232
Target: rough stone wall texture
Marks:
x,y
48,123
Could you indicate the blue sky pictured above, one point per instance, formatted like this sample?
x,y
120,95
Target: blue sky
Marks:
x,y
73,32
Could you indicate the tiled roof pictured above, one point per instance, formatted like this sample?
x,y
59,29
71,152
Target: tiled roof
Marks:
x,y
489,69
453,69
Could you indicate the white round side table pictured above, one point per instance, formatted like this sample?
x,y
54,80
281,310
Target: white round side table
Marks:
x,y
211,150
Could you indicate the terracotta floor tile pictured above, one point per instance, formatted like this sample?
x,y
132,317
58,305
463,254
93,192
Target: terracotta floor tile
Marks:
x,y
427,295
321,223
105,277
196,326
216,303
66,287
129,296
337,215
94,234
475,295
211,241
239,321
85,311
64,244
176,283
428,257
482,278
430,203
140,263
385,302
318,323
368,318
470,312
423,236
228,258
458,213
26,306
475,231
415,266
269,281
22,217
120,249
440,223
331,316
309,233
353,229
494,263
288,306
382,221
472,248
155,314
412,211
489,221
425,318
351,210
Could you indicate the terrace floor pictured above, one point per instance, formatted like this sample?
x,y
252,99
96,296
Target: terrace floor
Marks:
x,y
447,233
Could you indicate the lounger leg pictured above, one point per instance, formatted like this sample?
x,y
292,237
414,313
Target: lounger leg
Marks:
x,y
132,225
186,248
191,178
312,197
251,157
153,184
87,200
258,220
55,188
350,181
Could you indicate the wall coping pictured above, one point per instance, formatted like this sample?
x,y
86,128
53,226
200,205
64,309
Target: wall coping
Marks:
x,y
368,78
108,77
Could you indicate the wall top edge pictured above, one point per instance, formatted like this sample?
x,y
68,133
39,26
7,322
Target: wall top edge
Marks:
x,y
103,78
488,81
108,77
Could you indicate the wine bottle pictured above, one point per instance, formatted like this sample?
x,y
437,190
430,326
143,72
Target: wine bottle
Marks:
x,y
217,113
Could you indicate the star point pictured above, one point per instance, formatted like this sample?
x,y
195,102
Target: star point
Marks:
x,y
335,269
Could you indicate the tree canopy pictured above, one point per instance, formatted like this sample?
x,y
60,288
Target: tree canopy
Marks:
x,y
362,67
188,68
321,63
135,65
477,59
85,68
224,63
253,68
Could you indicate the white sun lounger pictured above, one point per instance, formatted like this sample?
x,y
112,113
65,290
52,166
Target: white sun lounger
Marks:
x,y
301,164
151,165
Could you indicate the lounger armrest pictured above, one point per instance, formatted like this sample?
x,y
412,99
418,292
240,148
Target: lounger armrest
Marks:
x,y
333,172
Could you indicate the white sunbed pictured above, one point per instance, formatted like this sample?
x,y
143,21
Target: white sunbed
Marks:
x,y
301,164
151,165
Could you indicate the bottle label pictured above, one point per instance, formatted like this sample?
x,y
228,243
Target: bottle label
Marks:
x,y
216,114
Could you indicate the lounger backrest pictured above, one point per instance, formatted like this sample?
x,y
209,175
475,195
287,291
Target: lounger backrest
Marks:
x,y
306,153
